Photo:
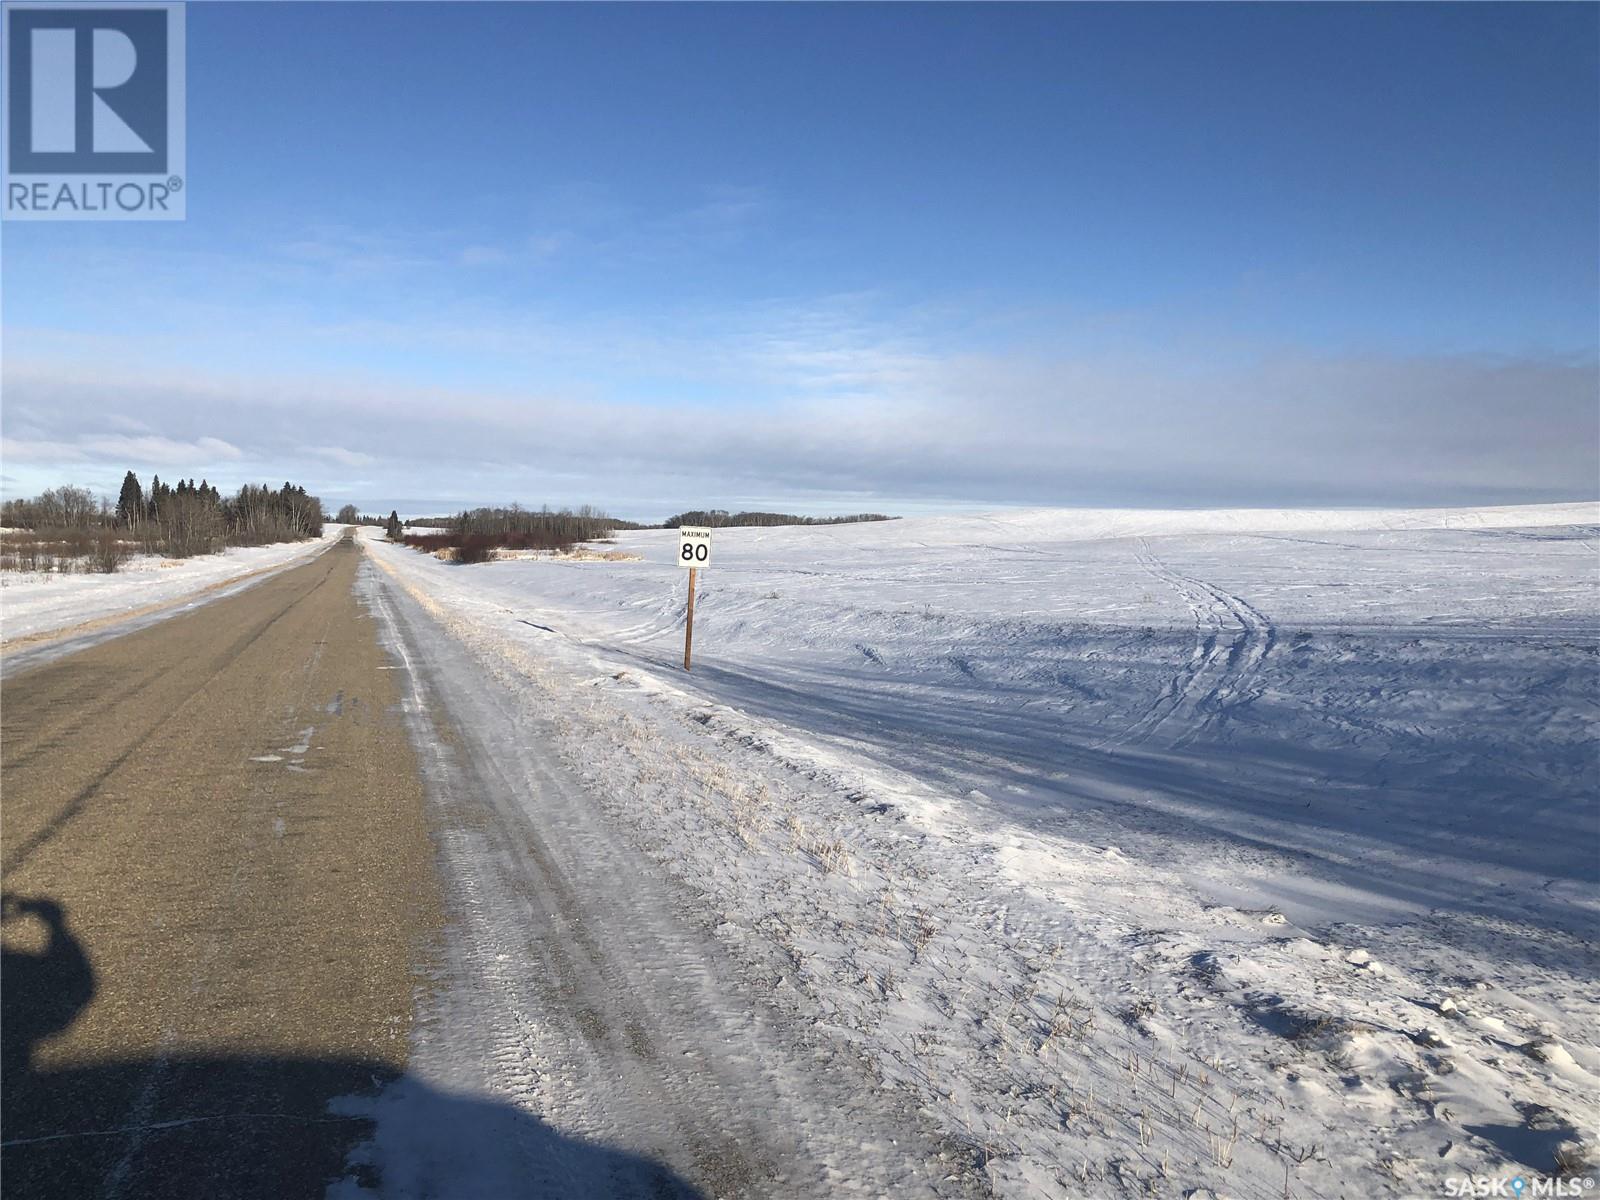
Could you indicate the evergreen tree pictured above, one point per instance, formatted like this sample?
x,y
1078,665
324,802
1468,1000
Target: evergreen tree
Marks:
x,y
393,527
130,504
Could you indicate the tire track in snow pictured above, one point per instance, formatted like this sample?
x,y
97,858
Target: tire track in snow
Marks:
x,y
571,987
1232,639
527,1028
666,614
1252,643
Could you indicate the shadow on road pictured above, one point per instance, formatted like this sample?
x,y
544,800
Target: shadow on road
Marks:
x,y
253,1126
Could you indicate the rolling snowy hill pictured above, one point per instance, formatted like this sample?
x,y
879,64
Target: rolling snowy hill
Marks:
x,y
1252,850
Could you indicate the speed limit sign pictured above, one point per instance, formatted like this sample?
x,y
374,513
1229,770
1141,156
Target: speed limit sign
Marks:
x,y
694,546
694,552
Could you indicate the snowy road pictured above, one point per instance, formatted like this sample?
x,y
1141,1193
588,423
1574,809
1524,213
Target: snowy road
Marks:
x,y
576,983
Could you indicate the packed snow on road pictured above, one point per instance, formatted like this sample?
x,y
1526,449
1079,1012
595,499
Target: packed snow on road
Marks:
x,y
1138,851
39,605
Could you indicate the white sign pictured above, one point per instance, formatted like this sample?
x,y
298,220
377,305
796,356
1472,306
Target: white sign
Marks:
x,y
694,546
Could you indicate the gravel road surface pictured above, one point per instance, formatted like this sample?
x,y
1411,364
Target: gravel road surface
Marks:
x,y
219,890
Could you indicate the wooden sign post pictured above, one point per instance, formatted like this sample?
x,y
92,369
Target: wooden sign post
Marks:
x,y
688,624
694,552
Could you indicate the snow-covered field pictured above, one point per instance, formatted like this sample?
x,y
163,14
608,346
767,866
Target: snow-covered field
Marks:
x,y
35,605
1145,852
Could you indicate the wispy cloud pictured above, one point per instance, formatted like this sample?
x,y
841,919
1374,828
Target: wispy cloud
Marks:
x,y
483,256
882,419
100,449
361,254
596,225
800,399
339,455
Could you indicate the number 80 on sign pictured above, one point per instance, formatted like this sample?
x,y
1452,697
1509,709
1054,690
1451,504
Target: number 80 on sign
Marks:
x,y
694,546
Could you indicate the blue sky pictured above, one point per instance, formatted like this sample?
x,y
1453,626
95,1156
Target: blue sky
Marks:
x,y
827,257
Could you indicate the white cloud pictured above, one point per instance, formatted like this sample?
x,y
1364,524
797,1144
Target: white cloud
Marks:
x,y
338,454
132,451
483,256
863,416
548,245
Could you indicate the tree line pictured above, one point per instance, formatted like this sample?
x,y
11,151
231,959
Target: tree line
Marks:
x,y
475,534
349,514
584,524
175,520
717,518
